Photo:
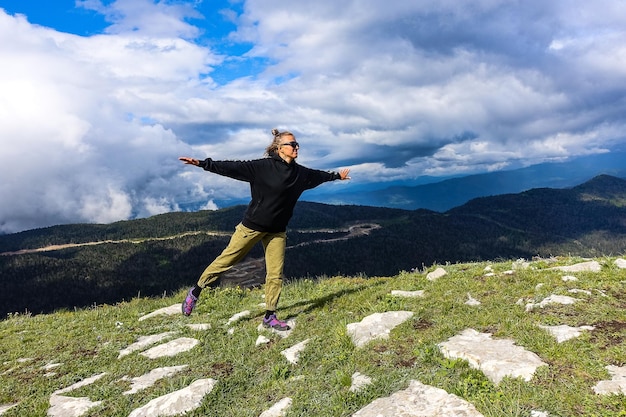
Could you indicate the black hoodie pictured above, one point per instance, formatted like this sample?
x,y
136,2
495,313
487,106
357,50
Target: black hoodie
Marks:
x,y
275,187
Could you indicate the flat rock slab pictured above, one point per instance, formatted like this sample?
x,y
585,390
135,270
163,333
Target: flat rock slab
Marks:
x,y
408,294
177,402
376,326
173,348
293,353
419,400
590,266
62,406
616,385
495,358
620,263
552,299
147,380
436,274
6,407
279,409
165,311
143,342
563,332
359,381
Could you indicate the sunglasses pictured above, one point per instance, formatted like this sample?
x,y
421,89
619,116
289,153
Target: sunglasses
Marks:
x,y
293,144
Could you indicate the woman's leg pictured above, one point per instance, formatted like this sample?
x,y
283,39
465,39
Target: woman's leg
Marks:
x,y
274,245
241,242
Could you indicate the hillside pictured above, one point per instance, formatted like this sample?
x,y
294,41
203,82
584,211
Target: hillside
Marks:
x,y
161,254
539,338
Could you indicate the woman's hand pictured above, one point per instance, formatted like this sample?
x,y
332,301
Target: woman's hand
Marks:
x,y
344,174
189,161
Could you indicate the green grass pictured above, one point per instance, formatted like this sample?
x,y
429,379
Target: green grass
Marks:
x,y
251,379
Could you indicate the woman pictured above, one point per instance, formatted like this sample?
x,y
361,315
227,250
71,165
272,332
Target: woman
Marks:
x,y
276,183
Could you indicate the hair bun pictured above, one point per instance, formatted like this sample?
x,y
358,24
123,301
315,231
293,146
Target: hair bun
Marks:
x,y
275,132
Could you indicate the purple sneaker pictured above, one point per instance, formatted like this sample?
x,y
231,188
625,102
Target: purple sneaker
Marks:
x,y
273,323
189,303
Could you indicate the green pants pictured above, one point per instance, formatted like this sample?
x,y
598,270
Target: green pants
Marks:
x,y
241,242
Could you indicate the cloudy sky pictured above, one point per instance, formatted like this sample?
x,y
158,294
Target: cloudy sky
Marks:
x,y
99,98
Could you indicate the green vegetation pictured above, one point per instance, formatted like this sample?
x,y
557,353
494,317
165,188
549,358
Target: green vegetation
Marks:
x,y
87,342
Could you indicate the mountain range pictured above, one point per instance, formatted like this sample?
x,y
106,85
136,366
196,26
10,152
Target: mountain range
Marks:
x,y
82,264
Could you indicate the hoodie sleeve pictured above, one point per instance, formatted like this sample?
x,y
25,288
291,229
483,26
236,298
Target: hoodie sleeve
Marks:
x,y
316,177
239,170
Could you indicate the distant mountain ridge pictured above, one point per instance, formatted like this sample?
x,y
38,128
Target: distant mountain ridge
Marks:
x,y
444,195
169,251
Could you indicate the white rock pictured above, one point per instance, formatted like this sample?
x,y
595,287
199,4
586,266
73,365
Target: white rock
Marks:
x,y
261,340
178,402
552,299
616,385
535,413
377,325
568,278
199,327
419,400
293,353
359,381
408,294
62,406
147,380
590,266
80,384
621,263
143,342
471,301
436,274
495,358
6,407
237,317
577,291
173,348
279,409
563,332
165,311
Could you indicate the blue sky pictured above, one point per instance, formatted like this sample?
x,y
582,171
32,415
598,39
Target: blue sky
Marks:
x,y
99,98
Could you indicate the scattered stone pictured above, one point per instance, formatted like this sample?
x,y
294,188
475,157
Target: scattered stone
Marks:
x,y
281,333
62,406
568,278
552,299
6,407
237,317
293,353
143,342
488,268
377,325
173,348
616,385
621,263
359,381
51,366
419,400
408,294
177,402
436,274
471,301
590,266
563,332
279,409
495,358
577,291
538,286
520,264
199,327
167,311
80,384
490,274
535,413
261,340
147,380
509,272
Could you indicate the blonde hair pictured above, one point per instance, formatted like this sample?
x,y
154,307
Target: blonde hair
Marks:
x,y
273,147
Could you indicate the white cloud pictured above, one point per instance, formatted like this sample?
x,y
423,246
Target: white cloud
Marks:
x,y
92,126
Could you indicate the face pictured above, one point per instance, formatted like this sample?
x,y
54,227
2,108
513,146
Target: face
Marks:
x,y
288,147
